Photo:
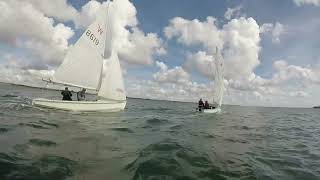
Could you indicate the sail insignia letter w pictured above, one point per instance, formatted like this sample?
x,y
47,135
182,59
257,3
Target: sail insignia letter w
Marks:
x,y
100,29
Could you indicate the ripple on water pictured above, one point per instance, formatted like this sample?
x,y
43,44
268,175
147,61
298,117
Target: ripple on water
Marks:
x,y
170,160
41,142
9,95
122,129
4,130
40,125
46,167
156,121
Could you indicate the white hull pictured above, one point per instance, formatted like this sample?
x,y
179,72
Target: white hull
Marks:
x,y
212,111
84,106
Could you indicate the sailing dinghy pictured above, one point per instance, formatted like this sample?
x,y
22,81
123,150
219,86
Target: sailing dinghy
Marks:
x,y
218,84
83,67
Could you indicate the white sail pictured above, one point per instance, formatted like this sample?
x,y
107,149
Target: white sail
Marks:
x,y
218,78
112,86
83,63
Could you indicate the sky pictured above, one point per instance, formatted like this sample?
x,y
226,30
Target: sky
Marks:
x,y
271,48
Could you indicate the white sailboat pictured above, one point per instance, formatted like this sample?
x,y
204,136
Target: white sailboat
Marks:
x,y
83,67
218,84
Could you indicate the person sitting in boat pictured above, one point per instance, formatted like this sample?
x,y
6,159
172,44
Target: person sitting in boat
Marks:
x,y
66,95
200,105
81,95
206,105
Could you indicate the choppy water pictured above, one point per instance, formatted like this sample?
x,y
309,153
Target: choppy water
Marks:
x,y
155,140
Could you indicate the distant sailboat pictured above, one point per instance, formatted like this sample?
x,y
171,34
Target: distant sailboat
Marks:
x,y
83,66
218,84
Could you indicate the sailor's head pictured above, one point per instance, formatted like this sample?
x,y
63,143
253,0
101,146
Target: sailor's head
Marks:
x,y
200,99
66,88
84,89
206,101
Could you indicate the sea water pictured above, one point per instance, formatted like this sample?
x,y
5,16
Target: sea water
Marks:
x,y
155,140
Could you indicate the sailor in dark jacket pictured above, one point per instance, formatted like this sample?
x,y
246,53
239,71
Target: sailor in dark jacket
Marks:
x,y
200,105
66,95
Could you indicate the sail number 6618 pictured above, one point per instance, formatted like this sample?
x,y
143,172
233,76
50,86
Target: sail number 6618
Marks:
x,y
92,37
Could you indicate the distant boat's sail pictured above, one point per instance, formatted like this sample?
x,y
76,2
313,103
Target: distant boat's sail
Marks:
x,y
218,79
112,86
83,63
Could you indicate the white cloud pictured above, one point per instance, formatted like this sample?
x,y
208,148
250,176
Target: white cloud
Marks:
x,y
87,14
177,75
233,13
16,70
239,38
286,72
298,94
140,48
306,2
242,47
186,92
58,9
276,30
27,27
132,44
195,32
33,28
201,62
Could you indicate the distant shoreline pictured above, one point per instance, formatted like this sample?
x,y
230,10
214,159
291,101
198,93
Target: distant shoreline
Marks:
x,y
44,88
24,85
29,86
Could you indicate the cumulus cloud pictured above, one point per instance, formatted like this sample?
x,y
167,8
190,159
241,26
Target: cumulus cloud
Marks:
x,y
239,40
59,9
16,70
201,62
233,12
133,45
140,47
242,47
195,32
286,72
307,2
27,27
177,75
276,30
187,92
36,29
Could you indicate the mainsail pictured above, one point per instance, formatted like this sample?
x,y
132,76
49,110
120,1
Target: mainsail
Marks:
x,y
218,78
112,86
82,65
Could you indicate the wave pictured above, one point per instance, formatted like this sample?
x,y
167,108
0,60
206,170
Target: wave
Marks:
x,y
40,125
47,167
122,129
170,160
41,142
4,130
157,121
9,95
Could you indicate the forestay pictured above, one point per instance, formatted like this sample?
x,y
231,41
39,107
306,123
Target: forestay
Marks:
x,y
112,86
82,65
218,78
